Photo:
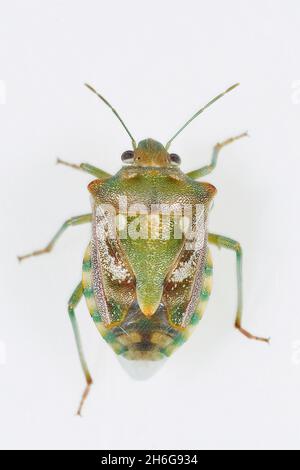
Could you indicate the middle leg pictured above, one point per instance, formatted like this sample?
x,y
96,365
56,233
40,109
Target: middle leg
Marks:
x,y
79,220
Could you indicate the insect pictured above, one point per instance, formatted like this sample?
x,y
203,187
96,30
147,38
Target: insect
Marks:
x,y
146,289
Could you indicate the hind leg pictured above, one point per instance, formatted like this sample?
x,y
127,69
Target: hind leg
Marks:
x,y
73,302
224,242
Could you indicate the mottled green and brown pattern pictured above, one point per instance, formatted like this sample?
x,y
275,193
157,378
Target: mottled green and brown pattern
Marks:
x,y
139,337
147,294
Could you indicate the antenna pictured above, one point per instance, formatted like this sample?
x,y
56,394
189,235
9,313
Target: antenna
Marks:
x,y
199,112
114,111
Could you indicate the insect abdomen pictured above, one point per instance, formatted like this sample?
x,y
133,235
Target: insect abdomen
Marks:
x,y
139,338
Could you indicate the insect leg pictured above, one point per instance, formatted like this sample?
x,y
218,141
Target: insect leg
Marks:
x,y
216,150
224,242
73,302
92,170
79,220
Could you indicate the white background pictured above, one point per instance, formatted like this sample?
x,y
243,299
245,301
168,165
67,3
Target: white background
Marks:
x,y
158,62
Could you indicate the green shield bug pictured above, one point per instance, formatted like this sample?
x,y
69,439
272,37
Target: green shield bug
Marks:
x,y
147,272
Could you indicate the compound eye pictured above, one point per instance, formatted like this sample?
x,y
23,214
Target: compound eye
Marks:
x,y
175,159
128,156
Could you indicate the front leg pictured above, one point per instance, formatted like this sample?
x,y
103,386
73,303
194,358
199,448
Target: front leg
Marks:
x,y
87,168
81,219
209,168
224,242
